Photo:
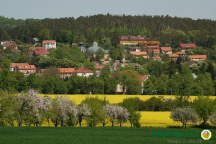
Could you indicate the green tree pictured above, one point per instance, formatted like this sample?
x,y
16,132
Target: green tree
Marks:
x,y
44,34
132,107
204,107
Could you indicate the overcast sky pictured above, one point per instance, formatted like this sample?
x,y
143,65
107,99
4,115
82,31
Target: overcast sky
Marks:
x,y
74,8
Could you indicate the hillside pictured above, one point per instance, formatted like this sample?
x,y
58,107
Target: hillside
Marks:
x,y
102,27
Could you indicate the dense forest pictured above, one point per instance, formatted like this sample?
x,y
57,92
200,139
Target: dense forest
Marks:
x,y
103,28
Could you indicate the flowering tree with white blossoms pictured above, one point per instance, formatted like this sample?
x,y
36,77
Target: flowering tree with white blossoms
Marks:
x,y
83,111
116,114
47,102
32,106
61,110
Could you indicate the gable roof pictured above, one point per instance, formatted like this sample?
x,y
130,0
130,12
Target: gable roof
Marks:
x,y
38,50
138,53
99,67
22,66
152,47
157,57
189,45
49,41
66,70
173,55
83,70
197,56
181,53
166,49
41,51
143,77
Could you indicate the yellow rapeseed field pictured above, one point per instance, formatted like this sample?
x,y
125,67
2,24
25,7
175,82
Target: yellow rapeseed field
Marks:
x,y
148,119
119,98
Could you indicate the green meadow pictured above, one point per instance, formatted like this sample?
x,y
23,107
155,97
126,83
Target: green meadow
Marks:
x,y
100,135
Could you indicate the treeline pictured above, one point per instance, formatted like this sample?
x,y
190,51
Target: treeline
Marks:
x,y
33,110
104,28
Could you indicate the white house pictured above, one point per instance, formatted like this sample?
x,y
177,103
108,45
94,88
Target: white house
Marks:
x,y
84,72
119,88
49,44
24,68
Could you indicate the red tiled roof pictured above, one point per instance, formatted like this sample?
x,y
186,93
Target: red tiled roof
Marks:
x,y
156,51
197,56
157,57
49,41
138,53
22,66
41,51
66,70
166,49
190,45
83,70
98,67
142,77
173,55
152,47
180,53
134,48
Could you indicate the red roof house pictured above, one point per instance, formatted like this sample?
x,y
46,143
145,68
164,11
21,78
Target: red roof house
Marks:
x,y
188,46
198,57
82,71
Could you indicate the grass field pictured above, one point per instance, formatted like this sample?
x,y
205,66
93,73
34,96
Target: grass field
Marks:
x,y
98,135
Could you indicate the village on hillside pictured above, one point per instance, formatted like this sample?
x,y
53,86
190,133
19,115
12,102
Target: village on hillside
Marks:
x,y
135,48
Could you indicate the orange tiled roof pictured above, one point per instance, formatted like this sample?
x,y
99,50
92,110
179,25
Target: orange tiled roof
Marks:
x,y
142,77
197,56
138,53
152,47
83,70
98,67
66,70
180,53
189,45
49,41
166,49
22,66
157,57
173,55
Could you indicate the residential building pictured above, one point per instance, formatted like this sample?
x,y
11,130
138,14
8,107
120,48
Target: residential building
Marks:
x,y
121,89
38,51
99,68
66,72
173,56
197,57
157,58
84,72
35,41
154,50
136,49
49,44
186,46
138,40
10,43
181,54
141,53
24,68
166,50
